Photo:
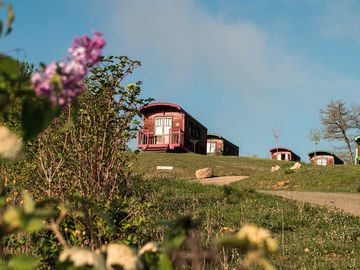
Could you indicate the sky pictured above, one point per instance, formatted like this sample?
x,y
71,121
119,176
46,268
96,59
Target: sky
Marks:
x,y
243,68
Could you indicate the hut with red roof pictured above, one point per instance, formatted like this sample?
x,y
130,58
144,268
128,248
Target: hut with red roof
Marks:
x,y
168,127
280,153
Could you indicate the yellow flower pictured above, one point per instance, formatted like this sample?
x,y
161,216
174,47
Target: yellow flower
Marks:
x,y
257,238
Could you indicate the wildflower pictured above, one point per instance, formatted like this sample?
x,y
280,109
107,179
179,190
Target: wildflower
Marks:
x,y
42,82
251,238
79,257
257,238
62,82
122,255
86,50
10,144
149,247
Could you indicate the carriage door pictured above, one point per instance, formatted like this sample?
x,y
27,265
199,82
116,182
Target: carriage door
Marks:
x,y
162,129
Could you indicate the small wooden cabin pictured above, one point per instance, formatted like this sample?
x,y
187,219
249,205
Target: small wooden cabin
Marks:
x,y
168,127
357,152
219,146
280,153
324,158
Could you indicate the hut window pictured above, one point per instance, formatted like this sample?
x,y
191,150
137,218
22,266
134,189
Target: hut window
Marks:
x,y
158,122
321,161
167,122
211,147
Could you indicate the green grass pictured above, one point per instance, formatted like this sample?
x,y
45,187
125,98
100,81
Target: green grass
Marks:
x,y
332,238
344,178
339,178
185,165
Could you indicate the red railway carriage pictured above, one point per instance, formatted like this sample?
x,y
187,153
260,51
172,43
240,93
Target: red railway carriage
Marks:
x,y
219,146
168,127
324,158
281,153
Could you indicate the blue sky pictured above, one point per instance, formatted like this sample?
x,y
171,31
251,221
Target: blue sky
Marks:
x,y
242,68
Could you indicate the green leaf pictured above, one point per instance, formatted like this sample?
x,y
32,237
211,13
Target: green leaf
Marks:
x,y
3,265
176,241
29,204
10,18
164,262
1,27
2,202
4,99
34,224
9,67
23,262
12,217
61,155
36,116
67,126
75,107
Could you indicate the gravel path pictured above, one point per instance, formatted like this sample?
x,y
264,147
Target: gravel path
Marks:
x,y
348,202
222,180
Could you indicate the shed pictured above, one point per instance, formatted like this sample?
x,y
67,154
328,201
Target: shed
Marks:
x,y
168,127
280,153
324,158
219,146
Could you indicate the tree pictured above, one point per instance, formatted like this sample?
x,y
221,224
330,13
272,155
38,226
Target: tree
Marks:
x,y
315,136
355,116
337,124
276,135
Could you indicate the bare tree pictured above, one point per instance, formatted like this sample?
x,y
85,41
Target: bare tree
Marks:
x,y
355,116
337,124
276,135
315,136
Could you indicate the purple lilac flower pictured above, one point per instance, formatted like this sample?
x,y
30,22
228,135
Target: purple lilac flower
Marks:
x,y
85,53
42,82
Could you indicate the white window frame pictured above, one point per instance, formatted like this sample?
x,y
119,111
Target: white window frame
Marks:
x,y
211,147
321,161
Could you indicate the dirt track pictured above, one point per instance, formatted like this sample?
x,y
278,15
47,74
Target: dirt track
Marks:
x,y
347,202
222,180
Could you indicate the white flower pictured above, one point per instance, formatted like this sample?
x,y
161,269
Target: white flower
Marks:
x,y
257,237
149,247
10,144
79,257
118,254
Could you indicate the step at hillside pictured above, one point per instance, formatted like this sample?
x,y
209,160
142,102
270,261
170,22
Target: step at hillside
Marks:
x,y
157,149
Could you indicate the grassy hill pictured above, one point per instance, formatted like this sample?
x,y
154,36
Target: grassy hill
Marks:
x,y
345,178
309,237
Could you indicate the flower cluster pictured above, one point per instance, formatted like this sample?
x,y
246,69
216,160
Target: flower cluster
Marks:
x,y
257,238
63,81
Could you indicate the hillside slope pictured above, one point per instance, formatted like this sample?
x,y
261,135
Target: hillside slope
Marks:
x,y
345,178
